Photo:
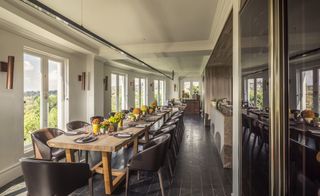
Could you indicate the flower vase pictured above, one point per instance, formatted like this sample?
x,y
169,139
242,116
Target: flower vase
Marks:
x,y
120,124
95,129
113,127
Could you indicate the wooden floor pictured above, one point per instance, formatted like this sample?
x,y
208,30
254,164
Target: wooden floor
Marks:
x,y
198,172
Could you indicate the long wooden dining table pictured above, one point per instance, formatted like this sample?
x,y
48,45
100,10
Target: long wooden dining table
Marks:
x,y
106,144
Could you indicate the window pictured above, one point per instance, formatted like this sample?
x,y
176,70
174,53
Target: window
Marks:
x,y
190,88
139,92
307,90
254,94
118,92
43,93
159,91
187,89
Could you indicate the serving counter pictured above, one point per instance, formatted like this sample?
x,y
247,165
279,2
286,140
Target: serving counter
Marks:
x,y
222,133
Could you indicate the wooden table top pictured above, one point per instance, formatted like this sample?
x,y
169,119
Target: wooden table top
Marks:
x,y
106,143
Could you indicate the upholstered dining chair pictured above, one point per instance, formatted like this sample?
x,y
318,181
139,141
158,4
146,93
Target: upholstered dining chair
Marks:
x,y
151,159
74,125
55,178
172,151
41,148
101,118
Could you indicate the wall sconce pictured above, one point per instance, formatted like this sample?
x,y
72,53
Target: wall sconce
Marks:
x,y
9,68
82,79
105,81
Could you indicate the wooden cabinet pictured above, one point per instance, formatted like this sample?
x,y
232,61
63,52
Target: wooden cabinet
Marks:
x,y
193,106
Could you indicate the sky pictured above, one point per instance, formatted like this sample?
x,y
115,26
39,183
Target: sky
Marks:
x,y
32,73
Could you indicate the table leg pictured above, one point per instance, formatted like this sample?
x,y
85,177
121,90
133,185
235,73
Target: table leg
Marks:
x,y
107,172
135,145
146,135
69,156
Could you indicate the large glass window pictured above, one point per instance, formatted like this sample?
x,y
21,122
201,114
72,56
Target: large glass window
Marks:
x,y
254,92
303,87
140,92
159,91
118,92
43,93
190,88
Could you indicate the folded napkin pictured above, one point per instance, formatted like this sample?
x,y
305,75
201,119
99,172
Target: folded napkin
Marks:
x,y
122,135
86,139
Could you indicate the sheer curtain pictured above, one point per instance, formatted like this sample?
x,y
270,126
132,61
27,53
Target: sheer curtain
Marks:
x,y
217,84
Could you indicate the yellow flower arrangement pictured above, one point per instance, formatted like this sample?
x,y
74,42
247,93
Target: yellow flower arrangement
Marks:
x,y
144,108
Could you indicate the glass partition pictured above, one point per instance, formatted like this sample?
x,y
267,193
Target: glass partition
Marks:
x,y
303,101
255,91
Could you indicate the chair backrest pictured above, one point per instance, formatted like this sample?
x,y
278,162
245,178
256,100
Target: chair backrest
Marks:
x,y
152,159
245,121
101,118
39,141
73,125
305,167
54,178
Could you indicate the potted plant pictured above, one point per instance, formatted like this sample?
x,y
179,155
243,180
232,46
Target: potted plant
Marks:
x,y
113,124
144,110
104,126
119,118
136,112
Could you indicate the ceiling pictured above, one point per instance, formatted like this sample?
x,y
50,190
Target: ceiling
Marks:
x,y
303,30
222,53
169,35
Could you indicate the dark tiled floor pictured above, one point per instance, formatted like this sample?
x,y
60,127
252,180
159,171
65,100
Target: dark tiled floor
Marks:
x,y
198,171
255,168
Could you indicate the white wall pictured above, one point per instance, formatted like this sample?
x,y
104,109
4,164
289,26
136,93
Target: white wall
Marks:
x,y
11,101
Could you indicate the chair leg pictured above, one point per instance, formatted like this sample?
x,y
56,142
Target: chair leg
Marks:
x,y
161,182
91,186
170,166
127,181
86,156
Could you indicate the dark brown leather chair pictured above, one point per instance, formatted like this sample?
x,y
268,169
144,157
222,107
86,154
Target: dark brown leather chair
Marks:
x,y
41,148
74,125
44,178
173,151
151,159
101,118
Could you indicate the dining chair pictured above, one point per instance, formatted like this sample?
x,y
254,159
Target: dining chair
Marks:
x,y
74,125
264,132
171,156
101,118
245,125
304,169
55,178
151,159
41,148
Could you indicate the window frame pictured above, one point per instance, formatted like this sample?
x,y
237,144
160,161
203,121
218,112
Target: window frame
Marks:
x,y
158,91
63,112
140,94
118,107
